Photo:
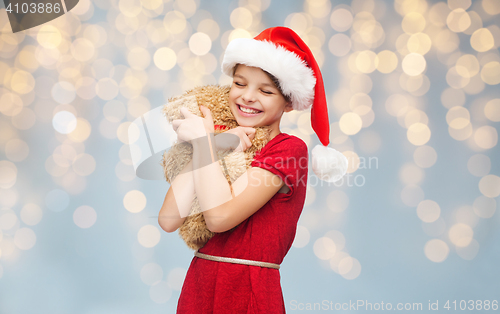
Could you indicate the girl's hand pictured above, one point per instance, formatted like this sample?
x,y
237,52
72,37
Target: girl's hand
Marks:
x,y
239,139
192,126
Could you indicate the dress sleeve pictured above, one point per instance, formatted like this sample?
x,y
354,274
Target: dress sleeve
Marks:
x,y
287,159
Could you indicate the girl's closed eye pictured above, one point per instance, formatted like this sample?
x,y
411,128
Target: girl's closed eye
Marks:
x,y
267,92
239,84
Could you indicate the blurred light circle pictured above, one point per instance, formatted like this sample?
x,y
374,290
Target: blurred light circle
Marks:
x,y
468,252
324,248
106,88
64,122
138,58
16,150
490,73
366,61
160,292
425,156
84,216
63,92
413,22
458,20
176,277
8,219
31,214
175,22
81,132
397,104
165,58
200,44
482,40
49,36
484,207
492,110
82,49
148,236
24,238
11,104
350,123
349,268
341,20
302,237
428,211
418,134
336,259
413,64
57,200
479,165
492,7
486,137
130,8
458,117
241,18
8,174
489,186
84,164
412,195
460,234
151,273
22,82
337,237
340,45
413,116
461,134
411,174
436,250
419,43
386,61
134,201
455,79
337,201
467,65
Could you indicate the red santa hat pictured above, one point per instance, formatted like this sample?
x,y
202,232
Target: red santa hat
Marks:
x,y
281,52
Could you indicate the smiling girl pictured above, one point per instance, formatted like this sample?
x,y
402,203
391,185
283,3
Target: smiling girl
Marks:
x,y
237,270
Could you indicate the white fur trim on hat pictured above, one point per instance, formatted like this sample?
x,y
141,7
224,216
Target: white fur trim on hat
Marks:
x,y
328,163
296,78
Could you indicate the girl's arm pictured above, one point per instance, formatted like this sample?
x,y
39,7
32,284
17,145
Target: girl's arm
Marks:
x,y
178,200
222,208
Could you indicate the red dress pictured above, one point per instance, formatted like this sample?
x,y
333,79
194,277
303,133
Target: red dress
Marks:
x,y
267,235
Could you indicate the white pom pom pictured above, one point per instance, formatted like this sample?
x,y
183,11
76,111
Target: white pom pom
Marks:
x,y
328,163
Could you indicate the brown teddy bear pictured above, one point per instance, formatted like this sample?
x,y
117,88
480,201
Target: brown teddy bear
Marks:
x,y
194,230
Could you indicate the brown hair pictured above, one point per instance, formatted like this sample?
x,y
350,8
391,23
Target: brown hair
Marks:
x,y
275,81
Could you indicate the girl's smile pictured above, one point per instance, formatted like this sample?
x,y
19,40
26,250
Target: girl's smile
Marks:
x,y
255,100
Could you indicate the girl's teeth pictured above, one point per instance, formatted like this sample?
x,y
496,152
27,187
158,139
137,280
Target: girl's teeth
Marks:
x,y
248,110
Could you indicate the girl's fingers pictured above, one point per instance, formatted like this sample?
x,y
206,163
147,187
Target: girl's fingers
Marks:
x,y
206,112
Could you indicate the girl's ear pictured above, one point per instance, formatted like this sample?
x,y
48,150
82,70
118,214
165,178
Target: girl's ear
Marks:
x,y
288,107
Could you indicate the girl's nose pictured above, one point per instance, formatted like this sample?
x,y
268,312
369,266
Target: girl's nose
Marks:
x,y
248,95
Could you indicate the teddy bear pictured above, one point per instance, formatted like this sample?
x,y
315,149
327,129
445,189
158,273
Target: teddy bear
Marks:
x,y
194,230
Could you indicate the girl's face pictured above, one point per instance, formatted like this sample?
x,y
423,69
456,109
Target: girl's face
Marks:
x,y
252,90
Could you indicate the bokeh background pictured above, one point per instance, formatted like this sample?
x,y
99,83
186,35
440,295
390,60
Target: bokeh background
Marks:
x,y
414,104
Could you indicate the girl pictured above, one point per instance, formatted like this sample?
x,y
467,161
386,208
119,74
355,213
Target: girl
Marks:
x,y
237,271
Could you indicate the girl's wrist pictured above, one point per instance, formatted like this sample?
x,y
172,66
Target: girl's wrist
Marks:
x,y
204,150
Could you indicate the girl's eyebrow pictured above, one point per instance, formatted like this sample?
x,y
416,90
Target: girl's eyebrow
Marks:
x,y
263,84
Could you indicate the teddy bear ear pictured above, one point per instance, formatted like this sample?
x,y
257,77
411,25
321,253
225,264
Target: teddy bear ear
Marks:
x,y
328,164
